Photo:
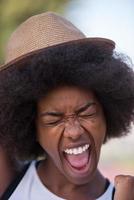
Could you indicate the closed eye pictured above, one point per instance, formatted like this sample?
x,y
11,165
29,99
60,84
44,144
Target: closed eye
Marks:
x,y
52,123
89,110
87,115
51,118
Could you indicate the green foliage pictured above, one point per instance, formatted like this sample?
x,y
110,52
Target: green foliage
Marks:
x,y
13,12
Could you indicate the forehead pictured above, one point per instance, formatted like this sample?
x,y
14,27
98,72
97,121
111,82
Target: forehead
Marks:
x,y
66,97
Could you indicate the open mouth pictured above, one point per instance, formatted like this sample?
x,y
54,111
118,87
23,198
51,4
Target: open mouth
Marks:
x,y
77,159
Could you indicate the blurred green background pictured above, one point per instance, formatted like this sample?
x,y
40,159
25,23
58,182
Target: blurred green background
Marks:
x,y
13,12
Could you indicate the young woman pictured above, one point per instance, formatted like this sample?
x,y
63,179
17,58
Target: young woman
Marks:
x,y
62,97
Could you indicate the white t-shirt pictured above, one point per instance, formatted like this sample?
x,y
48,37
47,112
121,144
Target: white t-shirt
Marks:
x,y
31,188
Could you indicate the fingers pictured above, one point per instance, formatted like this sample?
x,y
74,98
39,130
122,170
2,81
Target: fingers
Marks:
x,y
124,187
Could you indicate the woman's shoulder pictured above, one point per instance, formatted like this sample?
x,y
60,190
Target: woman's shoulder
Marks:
x,y
31,187
14,184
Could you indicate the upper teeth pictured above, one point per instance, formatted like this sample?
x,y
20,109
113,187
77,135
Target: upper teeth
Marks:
x,y
77,150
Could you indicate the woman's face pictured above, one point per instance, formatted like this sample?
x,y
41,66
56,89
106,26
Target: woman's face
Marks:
x,y
71,128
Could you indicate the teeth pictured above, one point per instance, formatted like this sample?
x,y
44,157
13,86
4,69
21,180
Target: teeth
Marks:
x,y
77,150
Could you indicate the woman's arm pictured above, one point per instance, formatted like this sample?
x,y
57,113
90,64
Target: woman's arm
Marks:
x,y
8,170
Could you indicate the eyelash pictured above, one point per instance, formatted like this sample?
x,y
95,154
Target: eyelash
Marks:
x,y
54,123
87,115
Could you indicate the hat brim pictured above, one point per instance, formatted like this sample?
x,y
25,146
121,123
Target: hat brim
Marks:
x,y
99,42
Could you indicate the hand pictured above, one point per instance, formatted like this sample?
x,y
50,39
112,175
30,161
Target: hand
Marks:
x,y
124,187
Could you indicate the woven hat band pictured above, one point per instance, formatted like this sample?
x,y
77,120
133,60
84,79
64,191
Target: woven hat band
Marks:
x,y
38,32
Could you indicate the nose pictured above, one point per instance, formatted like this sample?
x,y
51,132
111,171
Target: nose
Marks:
x,y
73,129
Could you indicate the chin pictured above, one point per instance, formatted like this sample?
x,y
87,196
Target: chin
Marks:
x,y
84,172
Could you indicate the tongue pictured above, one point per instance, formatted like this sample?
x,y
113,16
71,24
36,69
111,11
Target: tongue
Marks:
x,y
78,161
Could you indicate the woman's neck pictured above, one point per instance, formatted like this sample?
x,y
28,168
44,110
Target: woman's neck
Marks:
x,y
59,185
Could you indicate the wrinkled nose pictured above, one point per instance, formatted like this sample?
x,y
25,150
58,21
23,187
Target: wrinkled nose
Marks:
x,y
73,129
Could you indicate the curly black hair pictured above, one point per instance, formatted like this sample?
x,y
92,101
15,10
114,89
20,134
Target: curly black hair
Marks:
x,y
87,66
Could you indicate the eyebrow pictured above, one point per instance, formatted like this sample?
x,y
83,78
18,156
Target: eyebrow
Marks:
x,y
85,107
59,114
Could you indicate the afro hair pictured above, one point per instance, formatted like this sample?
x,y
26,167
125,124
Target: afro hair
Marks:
x,y
87,66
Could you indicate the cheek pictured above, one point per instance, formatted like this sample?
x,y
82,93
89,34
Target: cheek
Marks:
x,y
49,140
97,129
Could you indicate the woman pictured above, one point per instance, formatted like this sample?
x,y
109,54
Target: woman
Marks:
x,y
63,96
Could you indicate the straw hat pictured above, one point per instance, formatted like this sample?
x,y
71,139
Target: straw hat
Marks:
x,y
45,31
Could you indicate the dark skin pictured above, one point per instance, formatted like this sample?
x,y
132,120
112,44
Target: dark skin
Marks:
x,y
7,170
52,173
124,185
57,128
71,191
56,122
